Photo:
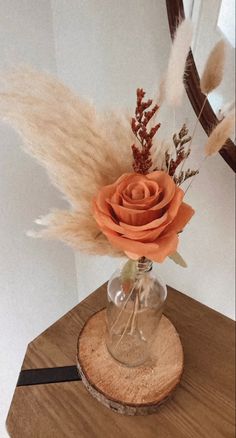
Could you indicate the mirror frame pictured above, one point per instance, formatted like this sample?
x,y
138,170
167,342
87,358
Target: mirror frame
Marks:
x,y
208,119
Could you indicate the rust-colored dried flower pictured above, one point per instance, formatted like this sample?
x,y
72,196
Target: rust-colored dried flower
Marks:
x,y
142,157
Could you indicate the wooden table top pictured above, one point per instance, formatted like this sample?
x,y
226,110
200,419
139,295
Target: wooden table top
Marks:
x,y
202,406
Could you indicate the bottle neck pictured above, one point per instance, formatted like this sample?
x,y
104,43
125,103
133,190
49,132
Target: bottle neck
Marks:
x,y
144,265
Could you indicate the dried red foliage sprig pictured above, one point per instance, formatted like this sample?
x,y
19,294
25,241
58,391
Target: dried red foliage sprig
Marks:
x,y
179,140
184,175
142,157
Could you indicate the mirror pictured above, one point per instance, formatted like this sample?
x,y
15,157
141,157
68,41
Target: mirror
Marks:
x,y
212,21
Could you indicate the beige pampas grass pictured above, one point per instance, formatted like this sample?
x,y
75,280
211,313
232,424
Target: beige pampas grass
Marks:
x,y
214,68
220,134
81,150
174,82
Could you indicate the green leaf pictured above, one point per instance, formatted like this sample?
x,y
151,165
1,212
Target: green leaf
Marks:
x,y
178,259
128,275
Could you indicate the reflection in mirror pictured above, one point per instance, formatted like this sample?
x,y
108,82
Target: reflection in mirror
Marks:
x,y
213,21
209,114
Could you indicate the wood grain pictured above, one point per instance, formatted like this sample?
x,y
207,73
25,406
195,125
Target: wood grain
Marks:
x,y
202,407
129,391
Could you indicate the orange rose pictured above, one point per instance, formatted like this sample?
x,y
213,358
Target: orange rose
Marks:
x,y
142,214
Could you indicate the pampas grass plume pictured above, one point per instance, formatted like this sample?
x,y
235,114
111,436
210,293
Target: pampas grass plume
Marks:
x,y
214,68
81,150
174,83
220,134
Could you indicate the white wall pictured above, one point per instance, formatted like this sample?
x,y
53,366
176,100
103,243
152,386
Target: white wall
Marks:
x,y
105,50
37,278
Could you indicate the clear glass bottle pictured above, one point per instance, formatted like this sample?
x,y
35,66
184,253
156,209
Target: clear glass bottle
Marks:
x,y
133,315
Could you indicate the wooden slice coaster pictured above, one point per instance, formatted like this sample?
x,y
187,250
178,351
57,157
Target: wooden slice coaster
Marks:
x,y
130,391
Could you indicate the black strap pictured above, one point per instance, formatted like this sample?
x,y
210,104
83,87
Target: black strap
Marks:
x,y
44,376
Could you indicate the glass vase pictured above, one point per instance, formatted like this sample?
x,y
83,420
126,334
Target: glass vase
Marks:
x,y
134,311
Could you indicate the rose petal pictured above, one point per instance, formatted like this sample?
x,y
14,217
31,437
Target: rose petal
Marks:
x,y
132,216
150,225
147,236
168,185
184,215
107,192
166,247
121,184
117,198
146,203
175,204
106,220
160,223
156,251
137,191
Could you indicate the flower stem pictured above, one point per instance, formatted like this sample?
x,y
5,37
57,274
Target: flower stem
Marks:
x,y
194,131
135,312
123,308
203,161
126,328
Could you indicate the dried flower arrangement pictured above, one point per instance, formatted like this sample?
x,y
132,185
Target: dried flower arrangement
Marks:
x,y
121,201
